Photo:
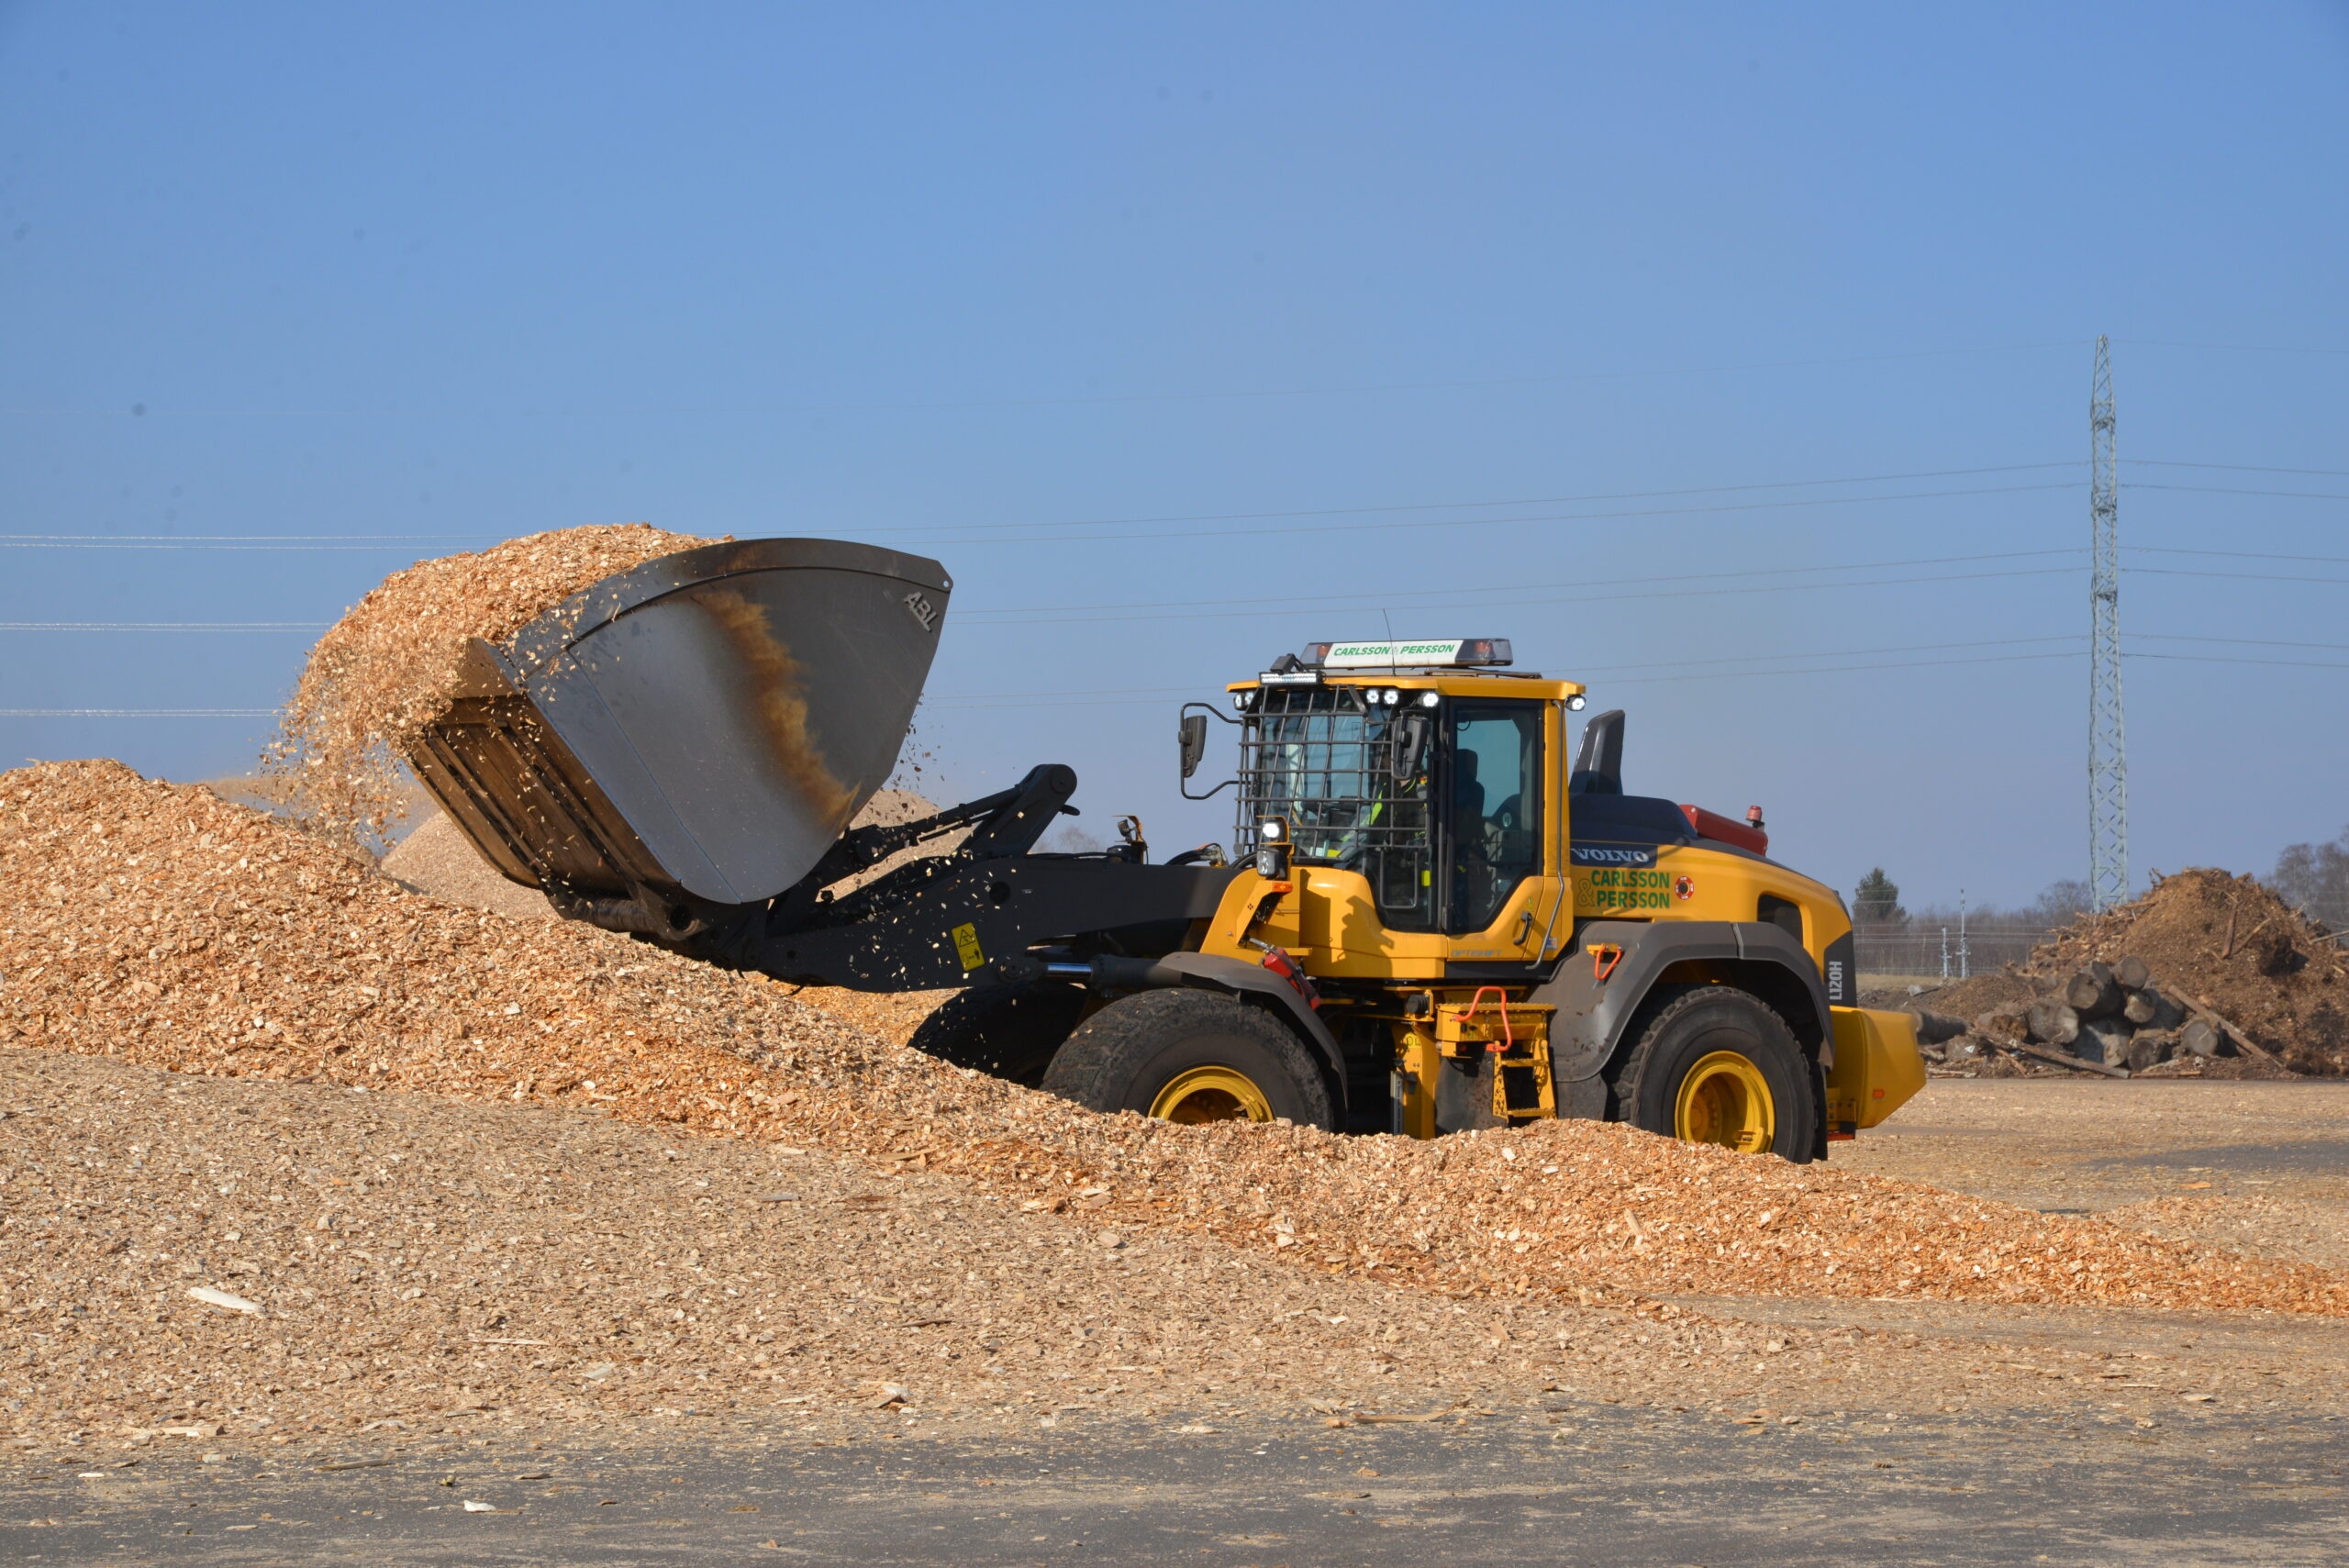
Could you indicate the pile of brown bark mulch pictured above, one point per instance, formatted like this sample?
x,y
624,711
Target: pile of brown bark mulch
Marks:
x,y
2225,941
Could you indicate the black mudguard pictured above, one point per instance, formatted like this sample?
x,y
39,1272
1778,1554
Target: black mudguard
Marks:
x,y
1588,1031
1236,977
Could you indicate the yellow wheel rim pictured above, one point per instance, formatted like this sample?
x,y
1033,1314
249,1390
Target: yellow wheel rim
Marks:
x,y
1211,1093
1725,1100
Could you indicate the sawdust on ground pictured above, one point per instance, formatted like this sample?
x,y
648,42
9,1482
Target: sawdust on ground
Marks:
x,y
166,926
438,860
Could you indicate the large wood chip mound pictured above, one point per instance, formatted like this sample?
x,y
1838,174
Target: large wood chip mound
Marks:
x,y
162,924
383,671
2224,940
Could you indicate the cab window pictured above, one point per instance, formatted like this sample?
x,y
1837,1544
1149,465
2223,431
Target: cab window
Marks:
x,y
1492,809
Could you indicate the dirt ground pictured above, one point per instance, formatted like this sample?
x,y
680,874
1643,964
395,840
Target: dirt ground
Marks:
x,y
2258,1167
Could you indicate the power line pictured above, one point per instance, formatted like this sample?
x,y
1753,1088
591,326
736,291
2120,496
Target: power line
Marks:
x,y
2237,467
142,411
164,625
2238,641
1085,618
926,536
2228,555
1522,501
2235,347
138,713
1842,669
229,541
1130,697
1488,522
1835,653
1580,670
1025,700
2219,490
2230,576
1393,596
2220,659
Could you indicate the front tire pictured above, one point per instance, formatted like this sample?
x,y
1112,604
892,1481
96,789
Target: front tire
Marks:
x,y
1718,1065
1190,1056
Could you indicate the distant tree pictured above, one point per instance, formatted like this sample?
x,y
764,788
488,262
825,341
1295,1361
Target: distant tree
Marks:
x,y
2314,878
2060,901
1877,900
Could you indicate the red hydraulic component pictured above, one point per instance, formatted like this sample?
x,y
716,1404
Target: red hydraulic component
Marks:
x,y
1278,960
1746,835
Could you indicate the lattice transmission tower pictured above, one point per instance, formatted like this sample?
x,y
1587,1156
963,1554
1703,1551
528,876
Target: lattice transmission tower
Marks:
x,y
2107,735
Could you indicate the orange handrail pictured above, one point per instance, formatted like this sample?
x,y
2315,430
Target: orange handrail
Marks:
x,y
1508,1040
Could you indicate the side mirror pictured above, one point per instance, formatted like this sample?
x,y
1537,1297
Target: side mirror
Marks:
x,y
1410,746
1195,741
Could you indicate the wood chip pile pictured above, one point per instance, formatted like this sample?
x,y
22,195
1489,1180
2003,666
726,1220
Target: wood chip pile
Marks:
x,y
425,1265
382,672
164,924
438,860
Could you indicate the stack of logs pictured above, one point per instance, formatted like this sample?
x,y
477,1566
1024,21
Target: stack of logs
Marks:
x,y
2106,1018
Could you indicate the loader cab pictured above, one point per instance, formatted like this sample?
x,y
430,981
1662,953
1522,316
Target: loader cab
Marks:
x,y
1429,771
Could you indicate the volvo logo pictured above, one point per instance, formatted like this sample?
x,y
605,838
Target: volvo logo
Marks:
x,y
1596,856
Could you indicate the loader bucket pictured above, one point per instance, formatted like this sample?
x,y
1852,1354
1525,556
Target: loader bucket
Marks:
x,y
700,728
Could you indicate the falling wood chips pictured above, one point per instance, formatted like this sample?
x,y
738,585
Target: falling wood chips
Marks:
x,y
163,925
383,671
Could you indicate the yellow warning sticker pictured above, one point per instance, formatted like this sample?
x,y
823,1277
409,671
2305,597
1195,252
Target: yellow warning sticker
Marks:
x,y
967,946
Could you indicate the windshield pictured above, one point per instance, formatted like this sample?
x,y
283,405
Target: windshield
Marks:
x,y
1352,781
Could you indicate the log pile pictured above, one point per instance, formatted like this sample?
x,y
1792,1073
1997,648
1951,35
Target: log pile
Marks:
x,y
2230,953
2104,1018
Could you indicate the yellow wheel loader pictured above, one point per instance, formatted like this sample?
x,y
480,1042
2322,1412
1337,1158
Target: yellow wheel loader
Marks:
x,y
1427,920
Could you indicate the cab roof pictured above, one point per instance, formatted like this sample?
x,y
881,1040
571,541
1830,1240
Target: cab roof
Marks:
x,y
1448,682
1452,666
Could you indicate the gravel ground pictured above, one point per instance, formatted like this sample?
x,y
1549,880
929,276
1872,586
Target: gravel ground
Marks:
x,y
1566,1480
2258,1167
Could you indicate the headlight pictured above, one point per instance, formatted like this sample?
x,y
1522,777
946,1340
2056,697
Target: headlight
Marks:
x,y
1576,703
1272,829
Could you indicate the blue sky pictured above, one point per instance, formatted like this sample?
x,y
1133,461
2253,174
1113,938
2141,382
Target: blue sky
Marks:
x,y
1184,336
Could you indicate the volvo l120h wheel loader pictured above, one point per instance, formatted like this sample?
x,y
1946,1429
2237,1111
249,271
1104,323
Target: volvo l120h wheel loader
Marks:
x,y
1428,920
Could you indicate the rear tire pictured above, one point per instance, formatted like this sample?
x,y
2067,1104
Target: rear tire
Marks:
x,y
1718,1065
1010,1031
1190,1056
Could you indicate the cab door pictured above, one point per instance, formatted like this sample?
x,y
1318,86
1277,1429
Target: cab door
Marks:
x,y
1499,869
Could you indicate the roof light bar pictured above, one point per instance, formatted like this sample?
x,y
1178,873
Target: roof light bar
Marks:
x,y
1435,653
